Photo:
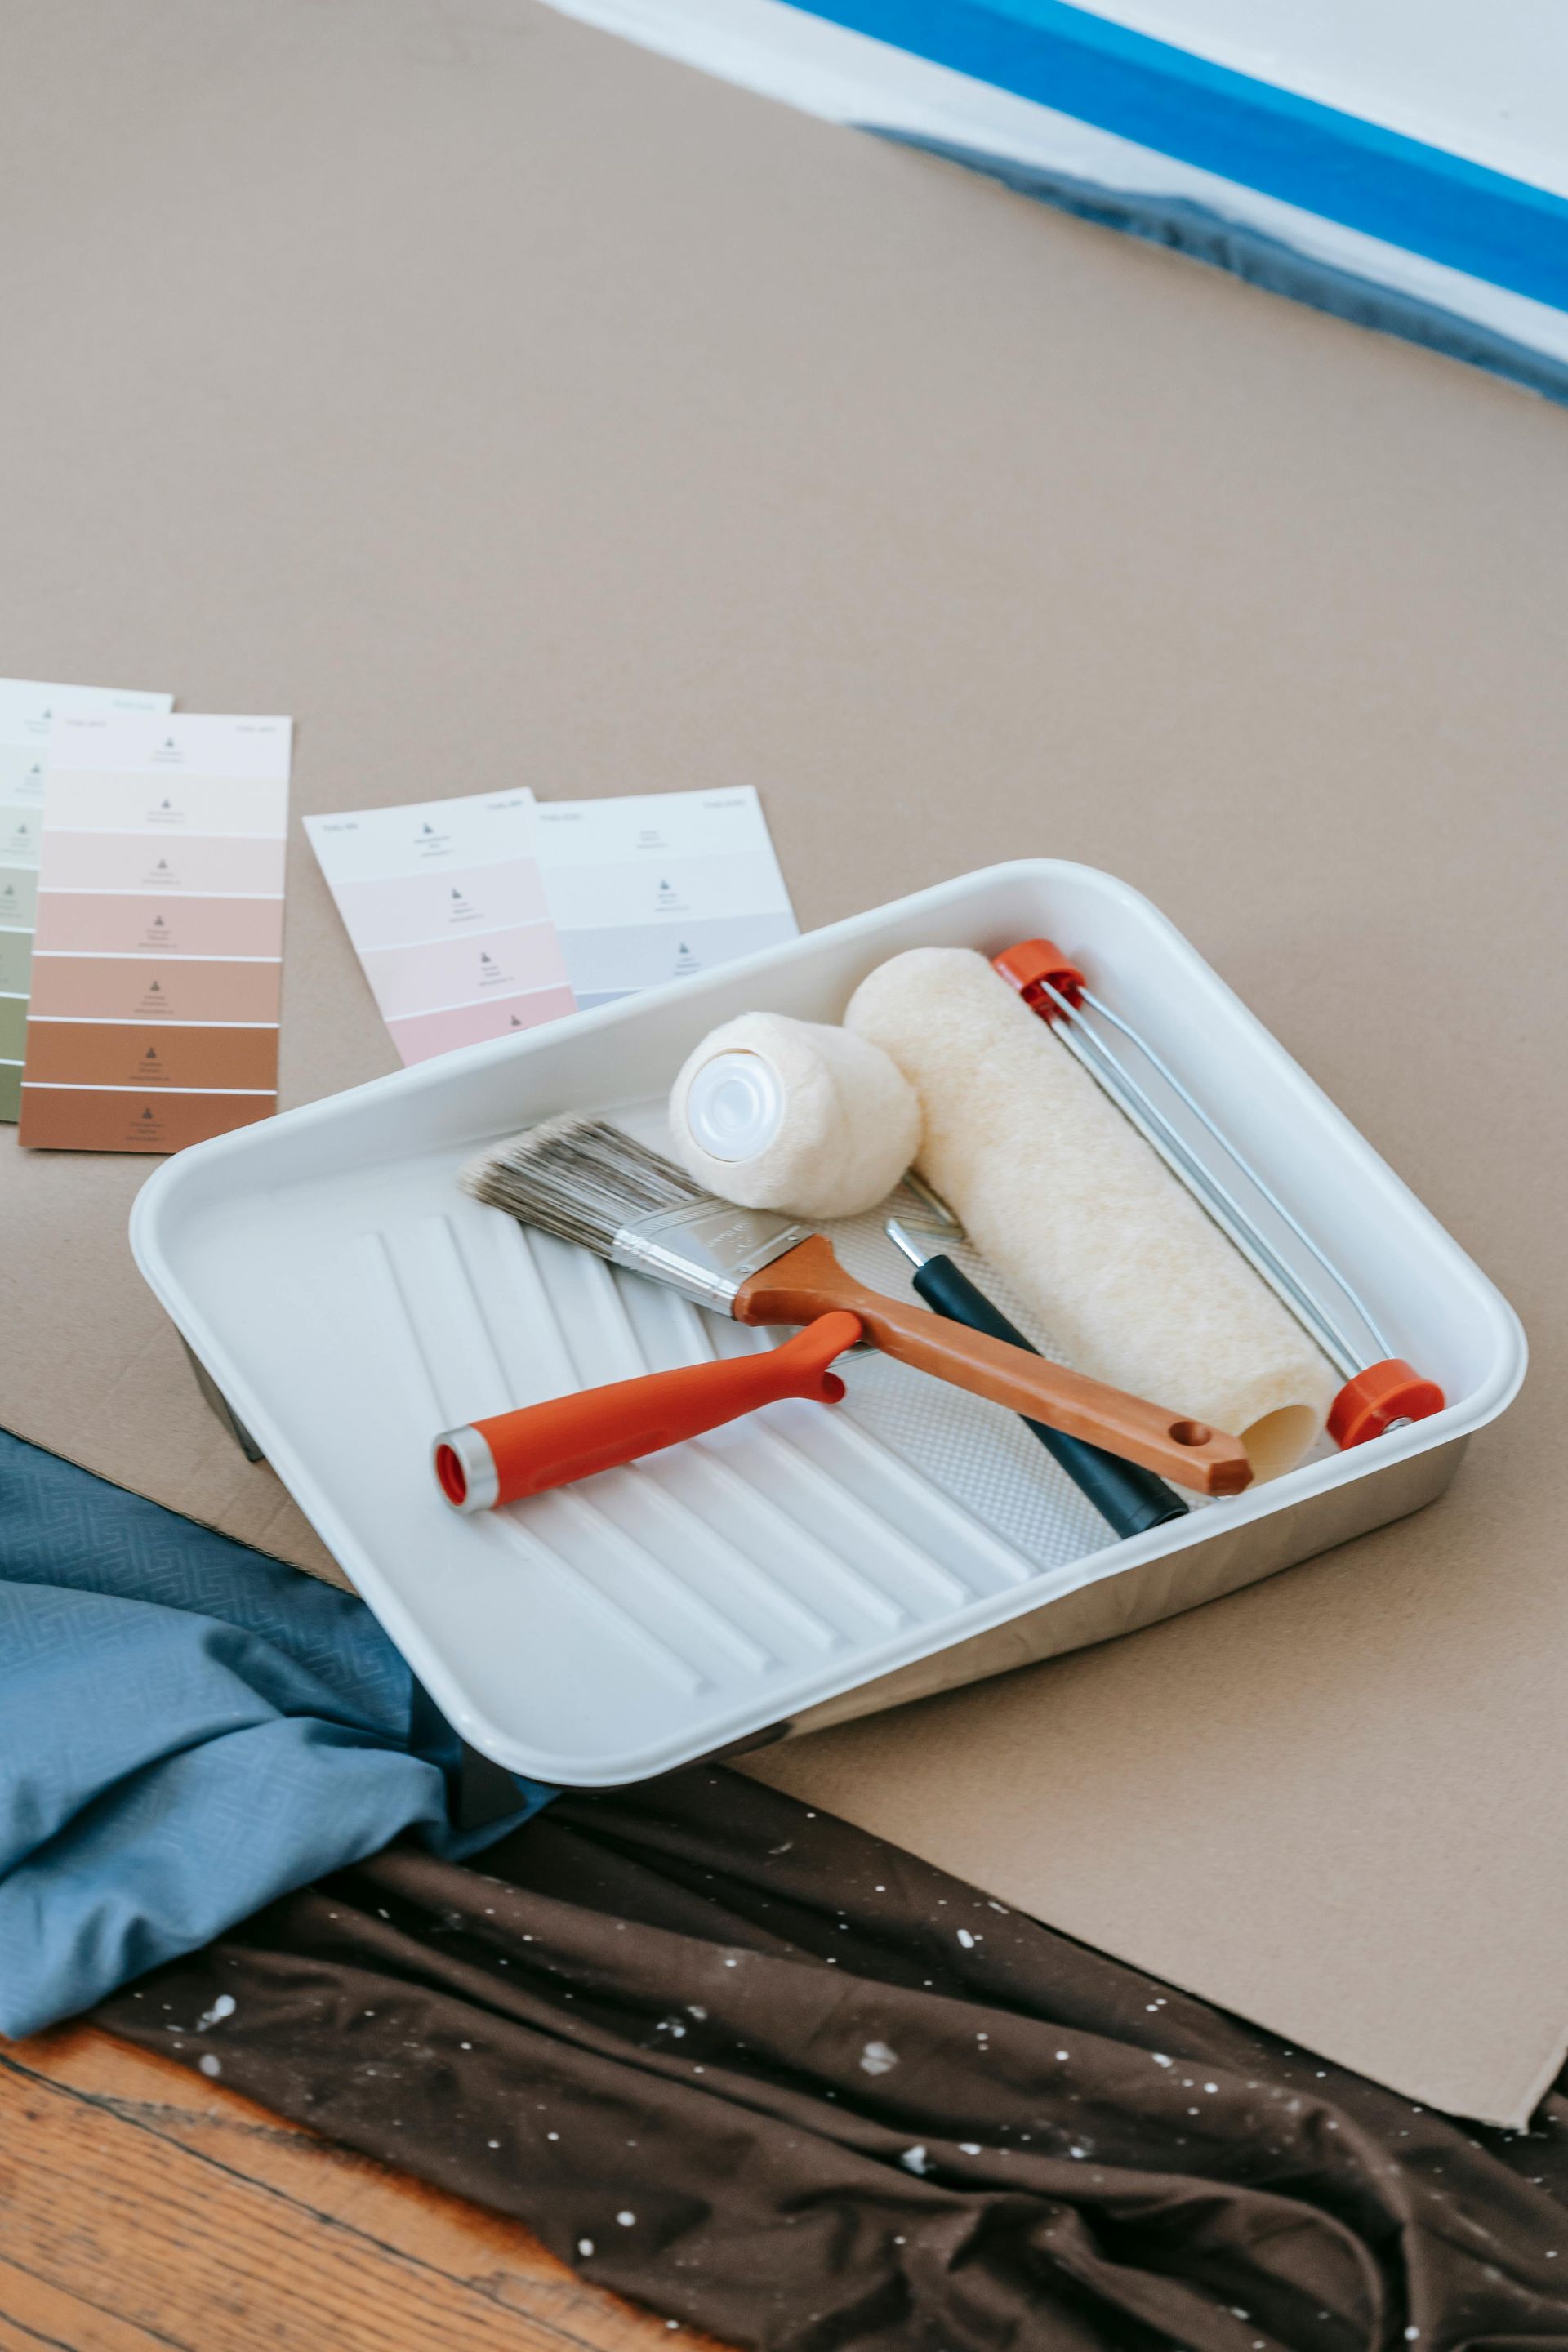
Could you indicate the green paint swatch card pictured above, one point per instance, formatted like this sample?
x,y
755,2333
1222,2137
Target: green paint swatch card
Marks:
x,y
27,713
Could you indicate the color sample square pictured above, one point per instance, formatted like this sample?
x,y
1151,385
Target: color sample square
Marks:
x,y
90,1119
170,805
15,962
217,868
150,988
100,922
403,910
18,896
21,831
428,1034
428,978
125,1054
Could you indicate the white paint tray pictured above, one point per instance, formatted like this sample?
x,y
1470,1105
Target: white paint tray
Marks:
x,y
808,1563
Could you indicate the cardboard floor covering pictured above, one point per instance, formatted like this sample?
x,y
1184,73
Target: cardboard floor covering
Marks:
x,y
511,406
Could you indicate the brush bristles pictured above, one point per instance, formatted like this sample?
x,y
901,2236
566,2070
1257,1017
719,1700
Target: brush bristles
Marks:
x,y
580,1179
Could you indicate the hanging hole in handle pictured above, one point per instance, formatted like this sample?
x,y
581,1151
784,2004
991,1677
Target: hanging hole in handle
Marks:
x,y
453,1476
1191,1432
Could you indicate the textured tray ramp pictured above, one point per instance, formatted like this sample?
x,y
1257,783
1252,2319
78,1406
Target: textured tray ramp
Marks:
x,y
730,1573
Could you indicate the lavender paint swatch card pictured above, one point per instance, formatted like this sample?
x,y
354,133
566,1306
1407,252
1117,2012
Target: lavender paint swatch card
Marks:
x,y
652,887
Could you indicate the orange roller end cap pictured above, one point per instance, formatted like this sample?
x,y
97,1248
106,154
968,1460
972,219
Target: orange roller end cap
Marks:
x,y
1374,1400
1033,967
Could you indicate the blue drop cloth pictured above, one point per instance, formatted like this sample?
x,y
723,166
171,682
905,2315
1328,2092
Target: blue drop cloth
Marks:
x,y
188,1730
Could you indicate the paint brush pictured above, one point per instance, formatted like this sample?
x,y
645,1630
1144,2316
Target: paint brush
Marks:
x,y
587,1182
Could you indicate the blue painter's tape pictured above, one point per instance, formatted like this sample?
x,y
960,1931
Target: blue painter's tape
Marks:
x,y
1355,172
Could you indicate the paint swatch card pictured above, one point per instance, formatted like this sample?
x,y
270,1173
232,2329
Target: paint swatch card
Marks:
x,y
656,886
158,955
28,710
445,906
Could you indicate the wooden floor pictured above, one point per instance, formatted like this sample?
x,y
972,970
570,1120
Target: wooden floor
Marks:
x,y
141,2208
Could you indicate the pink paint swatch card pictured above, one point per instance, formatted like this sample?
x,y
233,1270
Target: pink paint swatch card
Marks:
x,y
445,906
158,959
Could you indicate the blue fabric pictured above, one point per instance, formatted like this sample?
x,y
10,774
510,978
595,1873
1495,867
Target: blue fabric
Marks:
x,y
1356,173
187,1730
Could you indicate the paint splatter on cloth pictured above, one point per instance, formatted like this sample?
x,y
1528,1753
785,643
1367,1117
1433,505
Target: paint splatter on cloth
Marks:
x,y
734,2058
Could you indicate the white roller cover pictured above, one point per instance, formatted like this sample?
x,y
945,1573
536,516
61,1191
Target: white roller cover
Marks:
x,y
1066,1198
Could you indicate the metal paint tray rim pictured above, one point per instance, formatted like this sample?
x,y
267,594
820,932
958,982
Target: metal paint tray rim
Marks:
x,y
215,1229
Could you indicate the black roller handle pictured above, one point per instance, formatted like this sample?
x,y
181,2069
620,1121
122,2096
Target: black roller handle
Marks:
x,y
1132,1500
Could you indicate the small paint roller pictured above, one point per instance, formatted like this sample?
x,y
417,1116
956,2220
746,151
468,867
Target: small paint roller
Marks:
x,y
780,1113
1066,1198
795,1115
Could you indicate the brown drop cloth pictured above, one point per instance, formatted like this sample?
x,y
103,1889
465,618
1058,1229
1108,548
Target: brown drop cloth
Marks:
x,y
780,2080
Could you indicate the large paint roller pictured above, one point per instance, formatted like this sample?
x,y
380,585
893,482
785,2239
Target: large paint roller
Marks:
x,y
1060,1190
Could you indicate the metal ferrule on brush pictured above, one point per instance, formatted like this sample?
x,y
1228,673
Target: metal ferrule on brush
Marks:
x,y
705,1249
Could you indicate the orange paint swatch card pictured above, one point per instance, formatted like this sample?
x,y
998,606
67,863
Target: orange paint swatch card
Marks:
x,y
157,959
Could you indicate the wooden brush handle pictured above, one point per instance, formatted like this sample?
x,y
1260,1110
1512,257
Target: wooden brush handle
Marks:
x,y
808,1281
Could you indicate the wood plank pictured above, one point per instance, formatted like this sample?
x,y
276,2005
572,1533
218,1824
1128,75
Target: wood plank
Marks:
x,y
33,2313
483,2250
136,2197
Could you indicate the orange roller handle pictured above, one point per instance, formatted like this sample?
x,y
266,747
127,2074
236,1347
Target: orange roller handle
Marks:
x,y
487,1463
